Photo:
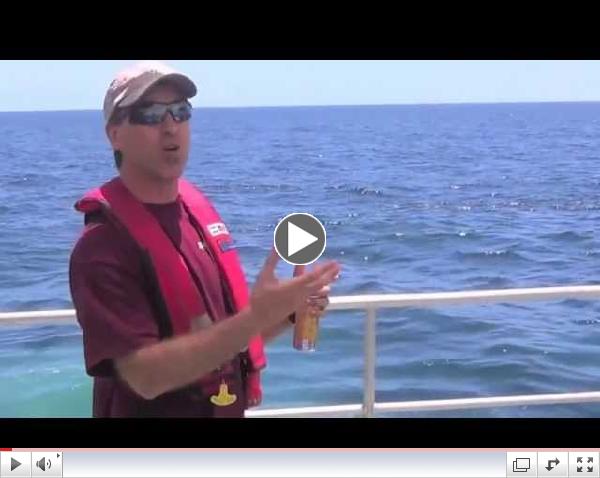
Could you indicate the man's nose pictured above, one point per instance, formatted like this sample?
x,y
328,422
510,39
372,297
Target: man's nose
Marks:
x,y
169,125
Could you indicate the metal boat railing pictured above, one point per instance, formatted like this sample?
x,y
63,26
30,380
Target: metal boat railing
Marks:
x,y
371,304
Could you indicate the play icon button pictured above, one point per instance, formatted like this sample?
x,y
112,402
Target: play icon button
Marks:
x,y
299,238
15,464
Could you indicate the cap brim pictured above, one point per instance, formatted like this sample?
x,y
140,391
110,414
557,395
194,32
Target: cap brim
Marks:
x,y
181,81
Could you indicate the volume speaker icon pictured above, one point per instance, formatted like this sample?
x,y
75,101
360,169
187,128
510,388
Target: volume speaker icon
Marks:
x,y
43,463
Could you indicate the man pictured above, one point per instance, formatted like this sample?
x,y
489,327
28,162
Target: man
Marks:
x,y
169,326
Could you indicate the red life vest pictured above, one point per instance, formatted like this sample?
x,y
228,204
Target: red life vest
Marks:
x,y
179,292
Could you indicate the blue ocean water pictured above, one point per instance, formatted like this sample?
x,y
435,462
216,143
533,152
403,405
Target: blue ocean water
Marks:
x,y
414,198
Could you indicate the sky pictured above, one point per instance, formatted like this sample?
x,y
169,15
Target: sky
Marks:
x,y
80,85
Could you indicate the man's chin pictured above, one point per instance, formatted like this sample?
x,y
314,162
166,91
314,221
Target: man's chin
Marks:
x,y
173,174
167,173
172,169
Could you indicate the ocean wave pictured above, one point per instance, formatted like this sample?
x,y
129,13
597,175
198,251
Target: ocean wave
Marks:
x,y
435,236
568,236
587,322
353,189
578,303
368,287
492,255
40,342
490,281
233,187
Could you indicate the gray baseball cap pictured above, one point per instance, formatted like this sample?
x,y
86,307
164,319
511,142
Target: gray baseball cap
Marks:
x,y
129,85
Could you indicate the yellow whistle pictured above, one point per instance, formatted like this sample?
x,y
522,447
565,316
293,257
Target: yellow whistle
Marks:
x,y
224,398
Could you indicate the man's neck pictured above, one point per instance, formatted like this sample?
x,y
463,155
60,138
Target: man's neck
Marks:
x,y
150,191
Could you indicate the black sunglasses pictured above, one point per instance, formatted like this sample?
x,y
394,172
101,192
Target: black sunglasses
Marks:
x,y
155,113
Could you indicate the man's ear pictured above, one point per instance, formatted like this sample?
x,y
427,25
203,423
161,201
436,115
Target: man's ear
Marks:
x,y
112,132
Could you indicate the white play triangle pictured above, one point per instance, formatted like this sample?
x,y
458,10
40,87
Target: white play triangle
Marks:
x,y
298,239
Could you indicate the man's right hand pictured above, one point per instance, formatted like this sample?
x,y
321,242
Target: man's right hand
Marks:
x,y
272,300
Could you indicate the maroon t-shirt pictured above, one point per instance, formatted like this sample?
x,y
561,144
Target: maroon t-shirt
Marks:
x,y
120,310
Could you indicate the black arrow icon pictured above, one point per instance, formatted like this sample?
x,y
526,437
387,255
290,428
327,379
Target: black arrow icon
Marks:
x,y
579,459
550,467
590,469
590,459
14,464
580,469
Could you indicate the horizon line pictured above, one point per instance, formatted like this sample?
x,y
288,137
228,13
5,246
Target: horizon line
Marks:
x,y
341,105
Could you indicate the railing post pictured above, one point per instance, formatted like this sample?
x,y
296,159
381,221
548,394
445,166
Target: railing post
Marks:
x,y
370,358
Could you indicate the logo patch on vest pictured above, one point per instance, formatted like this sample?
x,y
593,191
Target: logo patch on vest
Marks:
x,y
217,229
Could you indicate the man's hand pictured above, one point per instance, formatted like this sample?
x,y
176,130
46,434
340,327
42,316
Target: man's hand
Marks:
x,y
273,300
316,303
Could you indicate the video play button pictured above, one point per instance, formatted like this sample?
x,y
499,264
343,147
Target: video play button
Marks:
x,y
300,238
15,464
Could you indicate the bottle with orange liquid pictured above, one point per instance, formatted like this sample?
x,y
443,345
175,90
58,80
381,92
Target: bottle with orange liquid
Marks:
x,y
306,328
